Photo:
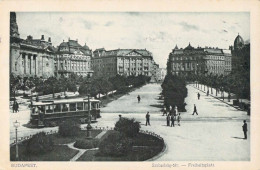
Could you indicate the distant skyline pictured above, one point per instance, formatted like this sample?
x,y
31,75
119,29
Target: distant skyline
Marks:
x,y
156,32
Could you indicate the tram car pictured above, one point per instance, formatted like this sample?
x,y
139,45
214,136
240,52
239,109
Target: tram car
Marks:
x,y
43,113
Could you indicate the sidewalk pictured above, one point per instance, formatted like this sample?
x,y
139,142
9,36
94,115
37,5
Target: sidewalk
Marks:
x,y
220,97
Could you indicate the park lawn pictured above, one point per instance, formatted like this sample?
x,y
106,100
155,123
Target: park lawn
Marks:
x,y
59,153
145,147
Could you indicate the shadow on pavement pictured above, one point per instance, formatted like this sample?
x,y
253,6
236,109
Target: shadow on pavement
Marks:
x,y
157,105
237,137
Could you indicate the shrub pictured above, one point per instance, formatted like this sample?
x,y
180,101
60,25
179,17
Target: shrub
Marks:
x,y
39,143
129,127
86,143
115,144
69,128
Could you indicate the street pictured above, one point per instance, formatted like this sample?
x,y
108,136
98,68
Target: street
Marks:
x,y
213,135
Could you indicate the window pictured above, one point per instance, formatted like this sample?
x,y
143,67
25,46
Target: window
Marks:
x,y
49,109
57,108
79,106
72,106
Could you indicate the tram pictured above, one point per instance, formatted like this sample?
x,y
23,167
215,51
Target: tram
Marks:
x,y
45,112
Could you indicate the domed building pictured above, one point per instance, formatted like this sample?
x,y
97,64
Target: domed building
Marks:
x,y
239,42
73,58
240,53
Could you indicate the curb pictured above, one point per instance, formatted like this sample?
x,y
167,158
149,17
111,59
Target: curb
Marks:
x,y
165,148
218,99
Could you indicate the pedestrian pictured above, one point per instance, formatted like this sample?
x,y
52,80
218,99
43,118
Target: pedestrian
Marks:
x,y
170,110
17,107
164,111
179,119
229,96
172,121
138,98
244,127
147,119
208,93
168,118
195,110
120,116
175,111
198,96
14,107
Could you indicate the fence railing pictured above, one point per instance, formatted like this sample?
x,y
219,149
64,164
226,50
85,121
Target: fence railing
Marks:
x,y
84,128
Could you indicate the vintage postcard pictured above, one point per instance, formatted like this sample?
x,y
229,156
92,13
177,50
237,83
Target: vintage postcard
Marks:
x,y
112,84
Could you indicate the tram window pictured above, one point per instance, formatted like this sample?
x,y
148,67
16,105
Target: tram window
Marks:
x,y
57,108
93,105
49,109
79,106
72,106
65,108
41,109
85,106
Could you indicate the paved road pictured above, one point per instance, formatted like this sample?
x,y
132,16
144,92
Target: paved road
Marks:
x,y
214,135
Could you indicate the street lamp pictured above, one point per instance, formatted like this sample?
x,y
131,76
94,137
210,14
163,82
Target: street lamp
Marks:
x,y
16,125
89,120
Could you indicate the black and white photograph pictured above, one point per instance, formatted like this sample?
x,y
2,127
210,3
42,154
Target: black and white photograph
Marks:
x,y
129,86
173,88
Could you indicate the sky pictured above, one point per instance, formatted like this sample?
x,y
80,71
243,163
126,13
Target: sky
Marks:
x,y
156,32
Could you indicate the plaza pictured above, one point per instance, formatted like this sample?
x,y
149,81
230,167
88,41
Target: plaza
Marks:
x,y
213,135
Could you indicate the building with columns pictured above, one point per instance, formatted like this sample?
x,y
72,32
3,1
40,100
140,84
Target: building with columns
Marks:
x,y
73,58
199,60
30,57
123,62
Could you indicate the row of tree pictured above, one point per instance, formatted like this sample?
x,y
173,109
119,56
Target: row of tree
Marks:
x,y
174,92
92,86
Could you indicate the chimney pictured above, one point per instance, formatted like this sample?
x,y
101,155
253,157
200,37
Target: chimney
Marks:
x,y
42,37
49,40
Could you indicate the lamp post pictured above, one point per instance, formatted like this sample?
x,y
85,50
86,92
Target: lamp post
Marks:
x,y
16,125
89,120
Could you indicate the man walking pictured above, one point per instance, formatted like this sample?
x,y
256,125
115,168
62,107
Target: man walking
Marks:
x,y
138,98
244,127
147,119
198,96
195,110
172,120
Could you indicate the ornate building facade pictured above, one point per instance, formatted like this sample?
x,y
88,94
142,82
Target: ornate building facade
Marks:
x,y
123,62
30,57
240,54
73,58
199,60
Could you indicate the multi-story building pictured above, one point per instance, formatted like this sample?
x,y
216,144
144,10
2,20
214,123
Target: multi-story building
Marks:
x,y
199,60
240,54
155,70
73,58
161,74
123,62
30,57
